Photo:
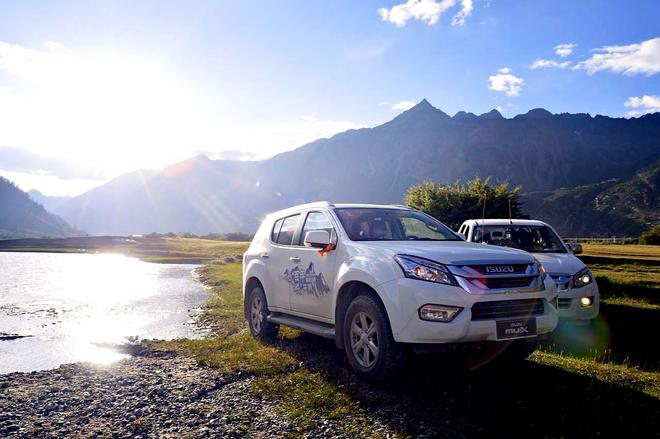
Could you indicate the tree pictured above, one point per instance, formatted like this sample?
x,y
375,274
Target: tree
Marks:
x,y
454,203
652,237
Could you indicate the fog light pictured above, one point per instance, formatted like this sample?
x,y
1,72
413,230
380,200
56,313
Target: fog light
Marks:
x,y
438,313
586,302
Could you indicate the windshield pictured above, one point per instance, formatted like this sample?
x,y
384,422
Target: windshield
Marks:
x,y
374,224
533,239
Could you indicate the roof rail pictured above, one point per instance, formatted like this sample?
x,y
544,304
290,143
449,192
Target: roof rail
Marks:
x,y
318,204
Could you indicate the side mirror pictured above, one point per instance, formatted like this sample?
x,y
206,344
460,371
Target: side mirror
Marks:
x,y
462,235
575,248
317,238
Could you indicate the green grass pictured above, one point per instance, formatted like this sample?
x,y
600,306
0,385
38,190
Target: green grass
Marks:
x,y
626,274
603,378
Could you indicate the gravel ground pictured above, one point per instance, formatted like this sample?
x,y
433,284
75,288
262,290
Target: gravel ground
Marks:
x,y
152,394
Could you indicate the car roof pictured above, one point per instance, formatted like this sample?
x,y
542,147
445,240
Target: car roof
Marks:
x,y
506,222
327,205
369,206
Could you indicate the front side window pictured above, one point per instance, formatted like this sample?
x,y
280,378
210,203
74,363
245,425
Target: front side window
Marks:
x,y
288,229
317,221
375,224
533,239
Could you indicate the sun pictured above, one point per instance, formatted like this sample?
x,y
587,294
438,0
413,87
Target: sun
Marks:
x,y
119,111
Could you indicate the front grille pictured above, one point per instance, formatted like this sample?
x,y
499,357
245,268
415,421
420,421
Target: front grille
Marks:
x,y
508,282
504,268
564,302
502,309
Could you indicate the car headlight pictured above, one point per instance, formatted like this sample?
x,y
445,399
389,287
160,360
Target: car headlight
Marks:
x,y
582,278
422,269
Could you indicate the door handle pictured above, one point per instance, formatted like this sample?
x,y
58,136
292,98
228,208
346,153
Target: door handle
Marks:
x,y
264,255
294,259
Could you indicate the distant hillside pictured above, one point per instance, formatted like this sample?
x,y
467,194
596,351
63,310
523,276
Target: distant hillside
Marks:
x,y
538,150
614,207
49,202
20,217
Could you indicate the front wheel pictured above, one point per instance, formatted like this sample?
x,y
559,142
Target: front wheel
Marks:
x,y
371,350
260,327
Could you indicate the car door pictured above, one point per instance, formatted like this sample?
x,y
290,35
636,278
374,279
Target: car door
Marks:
x,y
312,273
279,261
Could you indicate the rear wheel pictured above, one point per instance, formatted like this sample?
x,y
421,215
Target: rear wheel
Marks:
x,y
371,350
260,327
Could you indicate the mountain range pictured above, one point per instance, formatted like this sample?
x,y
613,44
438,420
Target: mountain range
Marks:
x,y
556,158
21,217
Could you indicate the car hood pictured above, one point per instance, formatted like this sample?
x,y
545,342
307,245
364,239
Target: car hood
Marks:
x,y
449,252
560,263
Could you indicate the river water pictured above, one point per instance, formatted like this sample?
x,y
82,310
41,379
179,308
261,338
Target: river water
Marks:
x,y
74,307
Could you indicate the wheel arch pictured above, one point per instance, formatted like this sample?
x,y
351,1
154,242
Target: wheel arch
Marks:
x,y
250,283
345,295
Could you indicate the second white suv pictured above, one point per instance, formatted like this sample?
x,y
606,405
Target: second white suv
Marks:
x,y
378,279
578,298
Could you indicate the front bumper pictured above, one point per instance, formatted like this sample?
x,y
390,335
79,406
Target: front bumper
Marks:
x,y
569,303
403,297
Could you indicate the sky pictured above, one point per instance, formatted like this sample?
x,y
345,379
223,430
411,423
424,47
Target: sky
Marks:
x,y
93,89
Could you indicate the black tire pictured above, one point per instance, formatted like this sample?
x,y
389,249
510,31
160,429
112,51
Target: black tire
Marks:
x,y
387,358
257,313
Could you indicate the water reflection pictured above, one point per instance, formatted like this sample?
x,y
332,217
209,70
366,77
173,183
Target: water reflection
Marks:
x,y
70,303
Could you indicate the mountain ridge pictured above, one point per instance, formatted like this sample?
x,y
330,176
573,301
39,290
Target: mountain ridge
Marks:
x,y
540,151
22,217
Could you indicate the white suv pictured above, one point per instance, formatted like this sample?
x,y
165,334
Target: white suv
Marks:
x,y
378,279
578,297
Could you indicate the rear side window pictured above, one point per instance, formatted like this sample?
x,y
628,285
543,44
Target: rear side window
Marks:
x,y
288,229
276,229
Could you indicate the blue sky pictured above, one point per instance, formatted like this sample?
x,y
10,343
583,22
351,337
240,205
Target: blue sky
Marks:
x,y
111,86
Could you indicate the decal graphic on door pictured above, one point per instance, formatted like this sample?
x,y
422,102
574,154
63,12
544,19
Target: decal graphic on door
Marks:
x,y
306,281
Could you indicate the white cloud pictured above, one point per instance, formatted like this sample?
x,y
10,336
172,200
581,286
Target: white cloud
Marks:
x,y
51,185
564,50
644,104
463,14
310,117
428,11
548,63
641,58
53,45
506,82
403,106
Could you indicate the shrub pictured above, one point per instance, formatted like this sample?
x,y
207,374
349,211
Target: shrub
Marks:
x,y
652,237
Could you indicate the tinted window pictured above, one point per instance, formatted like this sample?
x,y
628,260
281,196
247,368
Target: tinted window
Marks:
x,y
288,230
276,229
535,239
317,221
374,224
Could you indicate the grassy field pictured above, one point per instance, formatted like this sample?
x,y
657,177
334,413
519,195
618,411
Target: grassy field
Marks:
x,y
600,381
596,381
